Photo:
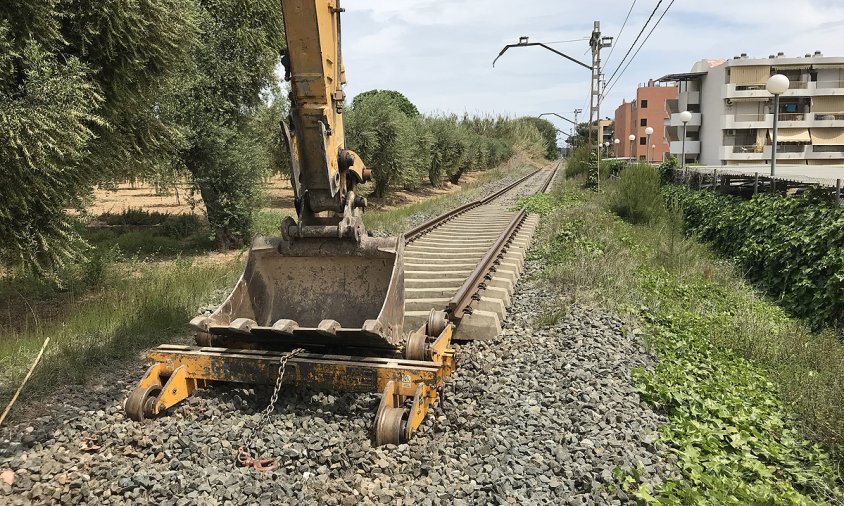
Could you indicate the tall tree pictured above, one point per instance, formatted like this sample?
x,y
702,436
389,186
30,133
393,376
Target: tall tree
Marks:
x,y
221,99
78,88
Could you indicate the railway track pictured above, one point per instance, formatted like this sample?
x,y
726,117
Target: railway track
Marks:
x,y
459,272
467,261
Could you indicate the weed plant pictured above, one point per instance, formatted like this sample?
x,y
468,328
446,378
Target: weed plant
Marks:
x,y
636,197
750,394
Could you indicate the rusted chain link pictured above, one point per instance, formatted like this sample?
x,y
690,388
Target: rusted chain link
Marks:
x,y
246,453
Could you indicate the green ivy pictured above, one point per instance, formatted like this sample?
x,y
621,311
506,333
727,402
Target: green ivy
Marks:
x,y
793,247
726,427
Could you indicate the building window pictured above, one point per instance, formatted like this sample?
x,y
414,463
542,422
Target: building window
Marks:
x,y
643,141
643,122
644,104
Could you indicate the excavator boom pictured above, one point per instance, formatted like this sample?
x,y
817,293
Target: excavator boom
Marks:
x,y
324,282
324,290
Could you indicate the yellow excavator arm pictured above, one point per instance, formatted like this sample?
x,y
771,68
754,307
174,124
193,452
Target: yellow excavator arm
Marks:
x,y
324,172
325,295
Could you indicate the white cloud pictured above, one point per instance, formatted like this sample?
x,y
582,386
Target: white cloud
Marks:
x,y
439,53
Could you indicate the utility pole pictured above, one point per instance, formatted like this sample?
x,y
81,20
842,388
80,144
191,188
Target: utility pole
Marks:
x,y
596,43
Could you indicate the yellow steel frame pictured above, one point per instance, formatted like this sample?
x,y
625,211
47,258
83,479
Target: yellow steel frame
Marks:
x,y
180,370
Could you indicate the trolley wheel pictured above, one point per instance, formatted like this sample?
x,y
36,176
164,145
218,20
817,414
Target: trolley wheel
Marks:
x,y
141,402
391,427
437,322
417,347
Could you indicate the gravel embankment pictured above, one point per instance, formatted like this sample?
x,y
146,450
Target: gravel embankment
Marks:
x,y
533,417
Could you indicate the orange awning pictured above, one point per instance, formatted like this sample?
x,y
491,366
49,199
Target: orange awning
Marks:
x,y
828,136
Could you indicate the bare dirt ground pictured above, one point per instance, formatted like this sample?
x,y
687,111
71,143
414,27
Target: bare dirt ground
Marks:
x,y
279,197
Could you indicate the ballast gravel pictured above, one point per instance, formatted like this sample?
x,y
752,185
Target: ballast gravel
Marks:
x,y
535,416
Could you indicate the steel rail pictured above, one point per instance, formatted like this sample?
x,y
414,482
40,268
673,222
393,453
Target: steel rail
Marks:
x,y
462,300
424,228
460,304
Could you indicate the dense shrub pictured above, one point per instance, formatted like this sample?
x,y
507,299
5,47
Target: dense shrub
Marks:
x,y
792,247
381,134
405,148
636,197
578,161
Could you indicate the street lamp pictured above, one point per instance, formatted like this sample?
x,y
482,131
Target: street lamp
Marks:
x,y
648,132
685,117
615,148
632,139
557,115
776,86
607,148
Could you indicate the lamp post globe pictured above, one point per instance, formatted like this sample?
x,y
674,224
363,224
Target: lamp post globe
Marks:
x,y
777,85
632,139
649,131
685,117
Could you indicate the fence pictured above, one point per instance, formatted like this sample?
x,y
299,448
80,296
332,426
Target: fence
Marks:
x,y
749,181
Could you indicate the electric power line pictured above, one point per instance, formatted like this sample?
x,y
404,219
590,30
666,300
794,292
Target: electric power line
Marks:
x,y
644,27
618,36
612,84
566,41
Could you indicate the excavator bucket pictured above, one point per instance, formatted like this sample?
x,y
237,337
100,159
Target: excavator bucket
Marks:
x,y
323,294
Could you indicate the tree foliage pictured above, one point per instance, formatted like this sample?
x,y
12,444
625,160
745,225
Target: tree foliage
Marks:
x,y
405,149
584,134
78,83
548,132
391,96
220,99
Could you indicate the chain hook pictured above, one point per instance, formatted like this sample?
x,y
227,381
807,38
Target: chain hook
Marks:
x,y
244,454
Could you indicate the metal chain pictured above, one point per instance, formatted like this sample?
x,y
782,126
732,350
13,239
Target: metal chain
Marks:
x,y
244,453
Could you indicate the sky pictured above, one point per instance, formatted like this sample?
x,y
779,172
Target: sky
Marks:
x,y
439,53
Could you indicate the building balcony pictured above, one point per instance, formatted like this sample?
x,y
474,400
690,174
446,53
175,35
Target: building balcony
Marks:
x,y
745,153
827,119
828,87
740,91
690,98
674,120
784,152
786,120
795,89
741,121
672,106
824,153
692,147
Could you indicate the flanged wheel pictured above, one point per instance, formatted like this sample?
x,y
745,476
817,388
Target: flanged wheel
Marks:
x,y
391,427
437,322
417,347
141,402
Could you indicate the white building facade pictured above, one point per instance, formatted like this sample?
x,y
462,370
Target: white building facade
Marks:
x,y
732,114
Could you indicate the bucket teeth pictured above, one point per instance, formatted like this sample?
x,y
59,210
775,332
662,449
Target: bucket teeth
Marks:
x,y
285,326
328,327
242,325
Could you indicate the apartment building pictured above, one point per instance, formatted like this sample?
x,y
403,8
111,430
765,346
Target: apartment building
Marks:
x,y
648,110
605,130
732,114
